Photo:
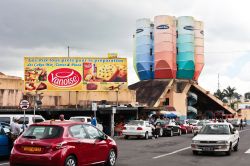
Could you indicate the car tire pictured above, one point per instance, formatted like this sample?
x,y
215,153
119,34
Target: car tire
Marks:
x,y
195,152
228,153
126,137
146,135
171,133
111,158
236,147
161,132
70,161
179,132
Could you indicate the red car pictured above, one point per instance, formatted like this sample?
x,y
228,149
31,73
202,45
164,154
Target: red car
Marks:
x,y
185,127
63,143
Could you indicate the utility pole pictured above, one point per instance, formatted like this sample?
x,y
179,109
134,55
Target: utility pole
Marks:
x,y
218,80
69,91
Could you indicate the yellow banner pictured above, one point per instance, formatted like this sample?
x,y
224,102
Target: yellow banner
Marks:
x,y
74,74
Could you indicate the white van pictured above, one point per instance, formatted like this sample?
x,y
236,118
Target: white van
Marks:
x,y
87,119
29,119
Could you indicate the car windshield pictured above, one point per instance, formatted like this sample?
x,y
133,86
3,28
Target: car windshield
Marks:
x,y
192,121
201,123
43,132
135,123
215,129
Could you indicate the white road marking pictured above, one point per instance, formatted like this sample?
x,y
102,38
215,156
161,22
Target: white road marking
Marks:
x,y
248,151
167,154
4,163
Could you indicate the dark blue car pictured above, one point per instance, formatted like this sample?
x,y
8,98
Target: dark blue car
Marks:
x,y
5,143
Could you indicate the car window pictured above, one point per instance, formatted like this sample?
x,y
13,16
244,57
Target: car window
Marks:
x,y
43,132
93,132
5,119
2,131
37,119
21,119
215,129
77,131
135,122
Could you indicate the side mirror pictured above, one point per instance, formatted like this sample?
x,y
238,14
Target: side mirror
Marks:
x,y
103,137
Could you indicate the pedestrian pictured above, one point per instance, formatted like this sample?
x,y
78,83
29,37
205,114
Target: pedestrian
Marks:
x,y
61,117
15,129
93,120
241,124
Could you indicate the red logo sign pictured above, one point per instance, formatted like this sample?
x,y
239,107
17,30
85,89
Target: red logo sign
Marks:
x,y
64,77
87,65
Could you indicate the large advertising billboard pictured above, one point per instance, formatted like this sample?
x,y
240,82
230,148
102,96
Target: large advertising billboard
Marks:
x,y
74,74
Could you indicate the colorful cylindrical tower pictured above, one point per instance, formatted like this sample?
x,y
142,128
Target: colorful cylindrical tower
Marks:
x,y
199,48
185,47
144,49
164,47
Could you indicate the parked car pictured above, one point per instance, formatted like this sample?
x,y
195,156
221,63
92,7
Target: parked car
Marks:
x,y
185,127
169,127
216,137
138,128
236,122
5,143
63,143
29,119
199,125
87,119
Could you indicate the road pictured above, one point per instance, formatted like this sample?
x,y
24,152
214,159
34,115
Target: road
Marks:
x,y
175,151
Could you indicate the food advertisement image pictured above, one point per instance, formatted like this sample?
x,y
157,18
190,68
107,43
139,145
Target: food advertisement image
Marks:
x,y
74,74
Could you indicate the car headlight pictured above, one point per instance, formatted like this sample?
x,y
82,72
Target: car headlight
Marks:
x,y
195,142
222,142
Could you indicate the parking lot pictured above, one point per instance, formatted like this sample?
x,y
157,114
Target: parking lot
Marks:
x,y
174,151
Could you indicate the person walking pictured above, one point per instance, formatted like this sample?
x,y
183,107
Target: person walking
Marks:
x,y
93,120
241,124
15,129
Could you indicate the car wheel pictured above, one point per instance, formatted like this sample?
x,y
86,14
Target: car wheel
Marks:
x,y
179,133
195,152
228,153
161,132
111,158
171,133
146,135
70,161
236,147
126,136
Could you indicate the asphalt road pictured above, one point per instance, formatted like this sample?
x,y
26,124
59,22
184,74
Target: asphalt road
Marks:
x,y
175,151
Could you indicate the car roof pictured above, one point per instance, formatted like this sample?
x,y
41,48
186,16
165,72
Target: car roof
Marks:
x,y
57,123
80,117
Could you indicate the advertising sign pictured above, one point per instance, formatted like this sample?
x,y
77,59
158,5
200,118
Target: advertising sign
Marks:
x,y
74,73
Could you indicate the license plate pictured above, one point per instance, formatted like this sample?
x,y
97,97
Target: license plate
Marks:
x,y
32,149
208,148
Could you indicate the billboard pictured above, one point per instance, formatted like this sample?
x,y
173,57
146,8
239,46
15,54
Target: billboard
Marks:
x,y
74,74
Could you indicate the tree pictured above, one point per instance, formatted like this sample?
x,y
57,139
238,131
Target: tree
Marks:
x,y
219,94
229,93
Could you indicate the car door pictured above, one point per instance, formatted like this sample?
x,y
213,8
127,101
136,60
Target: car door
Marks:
x,y
101,150
234,134
84,146
4,143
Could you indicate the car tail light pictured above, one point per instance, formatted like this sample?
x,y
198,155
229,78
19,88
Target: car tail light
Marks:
x,y
139,128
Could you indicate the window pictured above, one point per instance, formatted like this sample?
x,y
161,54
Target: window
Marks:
x,y
78,131
43,132
20,120
37,119
5,119
151,51
151,35
93,132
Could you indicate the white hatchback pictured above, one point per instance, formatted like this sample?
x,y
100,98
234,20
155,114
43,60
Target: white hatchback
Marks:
x,y
138,128
216,137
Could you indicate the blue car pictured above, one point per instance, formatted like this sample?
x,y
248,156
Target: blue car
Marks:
x,y
5,143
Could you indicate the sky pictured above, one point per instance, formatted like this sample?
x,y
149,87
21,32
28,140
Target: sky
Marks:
x,y
96,27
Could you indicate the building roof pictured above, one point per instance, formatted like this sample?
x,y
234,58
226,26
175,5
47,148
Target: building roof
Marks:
x,y
148,92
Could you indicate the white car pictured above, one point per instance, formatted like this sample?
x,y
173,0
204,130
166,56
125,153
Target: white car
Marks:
x,y
138,128
216,137
87,119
